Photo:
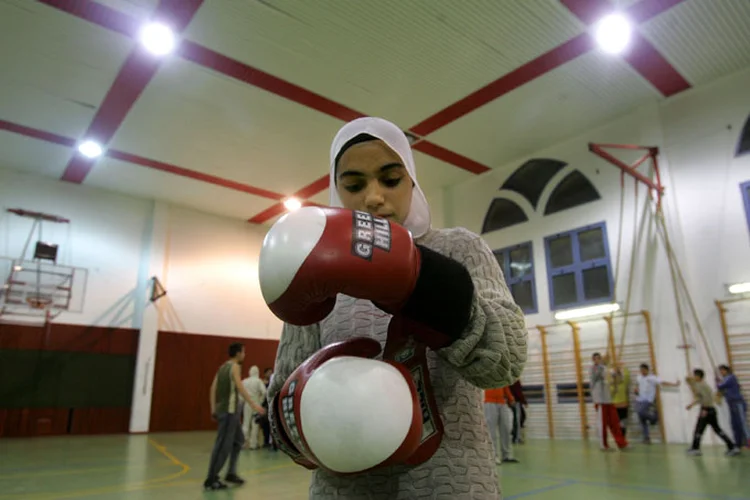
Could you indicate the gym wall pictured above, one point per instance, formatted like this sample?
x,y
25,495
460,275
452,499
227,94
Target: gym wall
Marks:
x,y
65,379
697,133
207,264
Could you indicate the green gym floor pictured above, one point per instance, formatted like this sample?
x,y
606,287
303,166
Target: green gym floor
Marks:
x,y
172,466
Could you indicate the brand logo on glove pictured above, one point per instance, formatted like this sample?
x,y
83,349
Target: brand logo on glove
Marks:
x,y
369,233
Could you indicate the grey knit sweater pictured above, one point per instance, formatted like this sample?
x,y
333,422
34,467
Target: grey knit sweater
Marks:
x,y
490,353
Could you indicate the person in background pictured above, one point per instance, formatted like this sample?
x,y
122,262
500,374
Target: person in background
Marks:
x,y
645,392
519,412
603,401
619,385
264,423
500,421
226,389
250,419
704,398
730,388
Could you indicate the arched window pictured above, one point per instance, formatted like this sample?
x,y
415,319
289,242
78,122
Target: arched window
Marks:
x,y
743,144
574,190
530,179
501,214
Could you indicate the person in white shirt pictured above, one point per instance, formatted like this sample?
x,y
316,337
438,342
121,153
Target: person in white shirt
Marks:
x,y
257,390
645,396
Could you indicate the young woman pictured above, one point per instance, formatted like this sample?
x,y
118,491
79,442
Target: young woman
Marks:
x,y
464,295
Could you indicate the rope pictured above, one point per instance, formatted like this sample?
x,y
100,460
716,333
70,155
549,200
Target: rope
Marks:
x,y
633,253
661,229
617,264
671,255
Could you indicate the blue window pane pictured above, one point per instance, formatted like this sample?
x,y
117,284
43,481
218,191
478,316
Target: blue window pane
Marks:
x,y
561,251
596,283
520,261
591,244
564,289
523,294
500,257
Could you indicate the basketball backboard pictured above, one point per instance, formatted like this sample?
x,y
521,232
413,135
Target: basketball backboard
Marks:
x,y
40,289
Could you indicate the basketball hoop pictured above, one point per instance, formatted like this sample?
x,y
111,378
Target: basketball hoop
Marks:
x,y
39,301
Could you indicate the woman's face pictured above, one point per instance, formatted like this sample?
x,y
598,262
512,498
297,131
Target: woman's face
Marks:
x,y
372,178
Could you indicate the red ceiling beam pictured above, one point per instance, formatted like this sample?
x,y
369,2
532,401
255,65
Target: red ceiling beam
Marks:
x,y
278,208
245,73
648,9
192,174
143,162
641,55
655,69
530,71
124,24
439,152
36,134
96,13
134,75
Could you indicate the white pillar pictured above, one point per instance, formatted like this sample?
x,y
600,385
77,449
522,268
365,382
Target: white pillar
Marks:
x,y
153,263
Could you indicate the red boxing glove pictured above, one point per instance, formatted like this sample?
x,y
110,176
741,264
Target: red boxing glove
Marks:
x,y
346,413
311,255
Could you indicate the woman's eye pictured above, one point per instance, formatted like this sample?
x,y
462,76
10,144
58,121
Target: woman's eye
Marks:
x,y
392,182
353,188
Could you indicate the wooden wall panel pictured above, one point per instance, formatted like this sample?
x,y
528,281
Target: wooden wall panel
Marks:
x,y
100,421
63,337
184,368
68,338
33,422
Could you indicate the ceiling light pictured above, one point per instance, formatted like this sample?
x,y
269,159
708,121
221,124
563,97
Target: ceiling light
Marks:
x,y
739,288
90,149
583,312
292,204
612,33
157,38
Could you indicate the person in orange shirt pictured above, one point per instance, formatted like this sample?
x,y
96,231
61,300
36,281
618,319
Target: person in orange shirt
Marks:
x,y
500,421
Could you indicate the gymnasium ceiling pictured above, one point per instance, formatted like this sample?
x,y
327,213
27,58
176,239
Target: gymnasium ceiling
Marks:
x,y
241,115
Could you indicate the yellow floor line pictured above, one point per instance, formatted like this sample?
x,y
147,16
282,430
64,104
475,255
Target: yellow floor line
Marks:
x,y
187,482
117,488
68,472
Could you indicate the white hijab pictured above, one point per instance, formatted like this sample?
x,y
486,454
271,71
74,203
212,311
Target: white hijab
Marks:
x,y
418,219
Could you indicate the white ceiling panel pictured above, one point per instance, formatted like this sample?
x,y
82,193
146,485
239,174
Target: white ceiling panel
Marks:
x,y
436,174
32,156
567,101
400,60
204,121
56,68
703,39
148,183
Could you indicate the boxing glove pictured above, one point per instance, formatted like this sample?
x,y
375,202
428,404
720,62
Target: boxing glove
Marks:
x,y
311,255
347,413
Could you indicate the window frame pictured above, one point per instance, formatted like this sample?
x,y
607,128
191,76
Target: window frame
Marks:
x,y
745,193
529,277
577,267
